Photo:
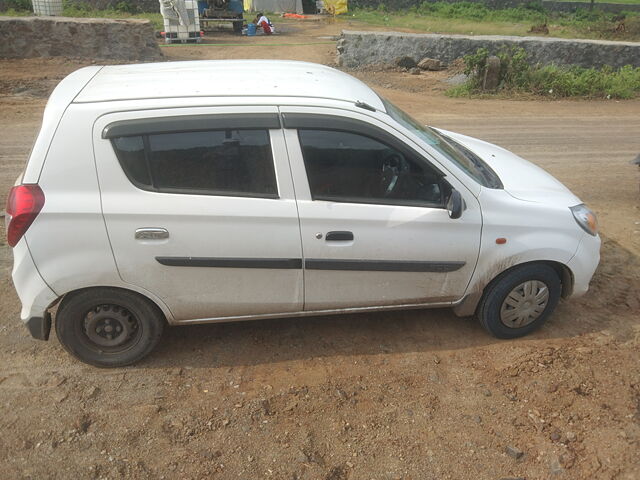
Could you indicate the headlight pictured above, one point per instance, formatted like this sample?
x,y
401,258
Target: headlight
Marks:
x,y
585,218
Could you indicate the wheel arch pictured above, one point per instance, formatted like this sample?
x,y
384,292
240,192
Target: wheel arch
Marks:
x,y
470,302
160,306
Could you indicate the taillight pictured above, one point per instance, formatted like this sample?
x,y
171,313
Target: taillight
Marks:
x,y
23,206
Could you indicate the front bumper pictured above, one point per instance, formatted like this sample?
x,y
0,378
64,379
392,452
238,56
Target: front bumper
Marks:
x,y
584,263
35,295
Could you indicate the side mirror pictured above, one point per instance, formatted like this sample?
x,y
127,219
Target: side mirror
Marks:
x,y
455,204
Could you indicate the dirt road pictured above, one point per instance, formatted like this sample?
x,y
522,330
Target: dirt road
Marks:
x,y
406,395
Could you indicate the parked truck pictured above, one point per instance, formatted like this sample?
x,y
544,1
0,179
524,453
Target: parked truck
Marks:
x,y
214,11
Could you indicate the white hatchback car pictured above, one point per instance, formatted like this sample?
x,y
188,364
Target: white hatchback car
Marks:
x,y
196,192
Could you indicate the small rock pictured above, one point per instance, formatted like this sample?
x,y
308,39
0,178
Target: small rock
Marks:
x,y
513,452
56,381
91,393
486,392
555,436
148,410
83,424
405,62
477,419
301,457
492,74
60,397
431,64
571,437
337,473
414,71
555,467
567,459
266,407
456,80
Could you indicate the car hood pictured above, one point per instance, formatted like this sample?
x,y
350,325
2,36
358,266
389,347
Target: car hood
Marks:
x,y
521,179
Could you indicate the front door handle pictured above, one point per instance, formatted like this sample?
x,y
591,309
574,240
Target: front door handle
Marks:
x,y
339,236
151,233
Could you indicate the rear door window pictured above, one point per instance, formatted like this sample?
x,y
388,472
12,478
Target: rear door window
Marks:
x,y
231,162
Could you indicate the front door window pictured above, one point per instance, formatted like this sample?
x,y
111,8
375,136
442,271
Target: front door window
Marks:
x,y
350,167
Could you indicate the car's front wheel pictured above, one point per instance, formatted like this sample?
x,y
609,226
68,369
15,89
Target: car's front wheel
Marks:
x,y
108,327
520,300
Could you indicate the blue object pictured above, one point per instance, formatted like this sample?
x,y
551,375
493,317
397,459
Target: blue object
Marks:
x,y
202,5
236,6
251,29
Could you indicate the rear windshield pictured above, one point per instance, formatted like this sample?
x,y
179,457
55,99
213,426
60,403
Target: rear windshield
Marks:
x,y
464,158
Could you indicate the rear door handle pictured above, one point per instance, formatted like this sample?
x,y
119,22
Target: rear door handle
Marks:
x,y
339,236
151,233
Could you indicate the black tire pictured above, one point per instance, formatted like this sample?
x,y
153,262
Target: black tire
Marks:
x,y
491,305
108,327
237,26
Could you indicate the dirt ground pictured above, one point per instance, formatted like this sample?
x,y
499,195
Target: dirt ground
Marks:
x,y
405,395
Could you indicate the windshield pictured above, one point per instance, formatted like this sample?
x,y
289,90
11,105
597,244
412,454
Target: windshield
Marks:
x,y
464,158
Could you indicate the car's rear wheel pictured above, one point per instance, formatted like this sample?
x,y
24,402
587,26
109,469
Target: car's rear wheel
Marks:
x,y
520,300
108,327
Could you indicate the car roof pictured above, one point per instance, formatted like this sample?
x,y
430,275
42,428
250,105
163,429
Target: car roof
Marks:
x,y
228,78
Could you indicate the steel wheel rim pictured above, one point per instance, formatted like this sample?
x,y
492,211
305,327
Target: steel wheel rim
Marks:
x,y
111,328
524,304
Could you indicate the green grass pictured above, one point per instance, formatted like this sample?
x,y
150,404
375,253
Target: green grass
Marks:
x,y
580,82
624,2
154,18
473,19
518,77
15,13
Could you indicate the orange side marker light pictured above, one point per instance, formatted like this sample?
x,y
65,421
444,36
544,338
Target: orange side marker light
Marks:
x,y
501,241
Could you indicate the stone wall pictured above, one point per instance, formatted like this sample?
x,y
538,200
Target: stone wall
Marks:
x,y
129,5
100,39
357,49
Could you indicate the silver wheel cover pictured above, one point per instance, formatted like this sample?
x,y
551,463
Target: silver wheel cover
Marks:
x,y
524,304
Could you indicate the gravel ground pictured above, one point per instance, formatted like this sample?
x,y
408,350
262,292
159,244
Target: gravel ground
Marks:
x,y
404,395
